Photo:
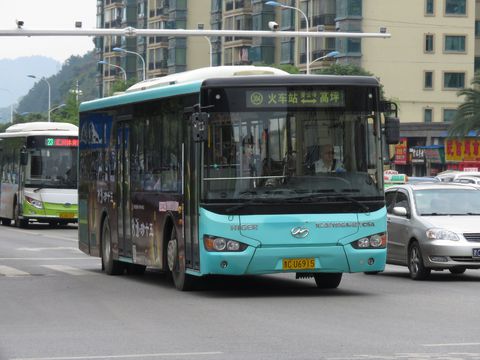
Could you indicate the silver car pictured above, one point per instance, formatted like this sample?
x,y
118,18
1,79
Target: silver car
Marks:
x,y
433,226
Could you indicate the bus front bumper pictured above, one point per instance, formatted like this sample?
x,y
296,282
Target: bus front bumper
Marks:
x,y
336,259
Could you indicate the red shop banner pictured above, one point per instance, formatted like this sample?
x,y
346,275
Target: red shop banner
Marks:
x,y
401,152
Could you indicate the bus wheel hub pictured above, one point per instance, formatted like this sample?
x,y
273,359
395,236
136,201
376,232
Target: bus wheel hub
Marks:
x,y
171,254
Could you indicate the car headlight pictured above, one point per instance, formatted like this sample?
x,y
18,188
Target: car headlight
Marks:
x,y
220,244
376,241
35,203
441,234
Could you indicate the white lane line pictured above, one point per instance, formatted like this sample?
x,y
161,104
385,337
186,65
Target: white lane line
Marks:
x,y
132,356
52,258
69,270
452,344
11,272
71,248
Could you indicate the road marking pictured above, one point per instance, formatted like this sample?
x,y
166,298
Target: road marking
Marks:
x,y
132,356
49,248
11,272
452,344
52,258
69,270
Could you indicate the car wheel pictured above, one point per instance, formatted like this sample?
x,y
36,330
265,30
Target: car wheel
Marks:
x,y
457,270
176,265
417,269
111,267
327,280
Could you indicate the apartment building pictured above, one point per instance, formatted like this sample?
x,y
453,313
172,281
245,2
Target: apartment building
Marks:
x,y
432,53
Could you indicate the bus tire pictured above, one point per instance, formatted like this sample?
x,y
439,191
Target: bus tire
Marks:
x,y
6,222
111,266
20,223
176,266
327,280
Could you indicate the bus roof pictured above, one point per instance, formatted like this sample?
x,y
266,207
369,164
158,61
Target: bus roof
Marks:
x,y
40,128
190,82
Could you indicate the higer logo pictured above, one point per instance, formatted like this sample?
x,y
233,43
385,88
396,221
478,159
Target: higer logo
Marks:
x,y
299,232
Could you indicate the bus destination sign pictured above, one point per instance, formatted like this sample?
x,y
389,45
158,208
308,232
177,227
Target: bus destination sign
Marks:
x,y
60,142
295,98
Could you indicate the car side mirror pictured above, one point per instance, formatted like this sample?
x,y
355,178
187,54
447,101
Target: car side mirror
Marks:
x,y
400,211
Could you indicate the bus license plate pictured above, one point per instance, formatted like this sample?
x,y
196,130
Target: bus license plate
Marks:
x,y
299,264
476,253
67,215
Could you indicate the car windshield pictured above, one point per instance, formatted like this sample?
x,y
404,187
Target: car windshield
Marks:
x,y
447,201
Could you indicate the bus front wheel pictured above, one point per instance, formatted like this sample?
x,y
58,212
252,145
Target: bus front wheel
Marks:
x,y
111,266
20,223
327,280
176,265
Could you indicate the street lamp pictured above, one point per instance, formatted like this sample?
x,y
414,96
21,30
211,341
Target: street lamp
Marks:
x,y
11,104
117,49
210,47
49,92
307,39
115,66
55,108
329,55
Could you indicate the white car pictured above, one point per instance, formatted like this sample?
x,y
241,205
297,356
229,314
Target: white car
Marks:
x,y
450,176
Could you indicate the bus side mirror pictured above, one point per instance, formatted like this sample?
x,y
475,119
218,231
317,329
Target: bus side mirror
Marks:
x,y
199,122
23,157
392,130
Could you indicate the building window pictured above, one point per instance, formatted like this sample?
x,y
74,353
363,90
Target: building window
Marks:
x,y
429,40
454,80
449,114
455,7
476,64
427,115
454,43
477,28
429,7
428,80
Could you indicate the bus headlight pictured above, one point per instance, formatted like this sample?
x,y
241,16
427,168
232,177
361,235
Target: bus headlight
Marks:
x,y
220,244
35,203
376,241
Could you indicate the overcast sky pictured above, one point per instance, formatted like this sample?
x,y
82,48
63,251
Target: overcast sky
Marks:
x,y
46,14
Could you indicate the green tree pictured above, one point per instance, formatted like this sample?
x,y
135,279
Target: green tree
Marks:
x,y
467,117
343,69
120,85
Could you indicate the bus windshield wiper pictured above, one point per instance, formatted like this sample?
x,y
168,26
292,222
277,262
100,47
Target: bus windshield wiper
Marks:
x,y
328,195
256,201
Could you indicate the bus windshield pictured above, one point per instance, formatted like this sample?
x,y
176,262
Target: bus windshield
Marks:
x,y
292,154
54,167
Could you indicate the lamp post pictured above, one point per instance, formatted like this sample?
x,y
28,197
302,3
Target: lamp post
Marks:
x,y
307,39
117,49
55,108
210,47
11,105
115,66
49,93
329,55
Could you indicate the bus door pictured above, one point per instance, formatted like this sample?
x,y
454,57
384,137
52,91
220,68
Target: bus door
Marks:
x,y
192,154
123,190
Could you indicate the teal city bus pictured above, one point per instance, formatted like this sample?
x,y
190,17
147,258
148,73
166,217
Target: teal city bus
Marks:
x,y
236,170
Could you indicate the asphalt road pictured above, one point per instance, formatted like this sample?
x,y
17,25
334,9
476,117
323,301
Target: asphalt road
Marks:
x,y
56,304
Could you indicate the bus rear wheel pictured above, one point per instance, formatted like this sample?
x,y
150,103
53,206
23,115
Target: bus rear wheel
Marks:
x,y
327,280
111,266
6,222
176,265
